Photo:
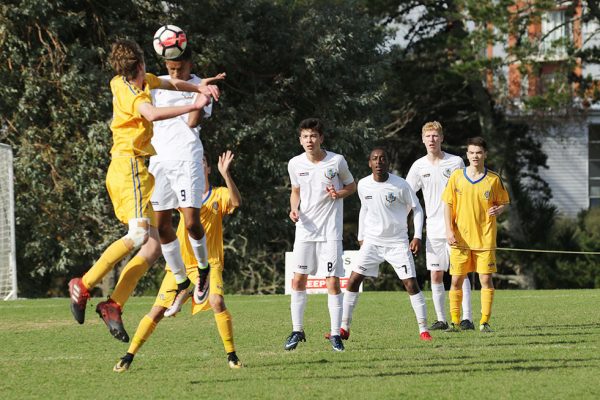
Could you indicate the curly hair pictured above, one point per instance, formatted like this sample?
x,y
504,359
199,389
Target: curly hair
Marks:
x,y
125,58
432,126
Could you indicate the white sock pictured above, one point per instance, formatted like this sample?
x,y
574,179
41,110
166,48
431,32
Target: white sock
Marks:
x,y
350,300
298,304
420,309
439,300
172,254
467,311
334,303
200,252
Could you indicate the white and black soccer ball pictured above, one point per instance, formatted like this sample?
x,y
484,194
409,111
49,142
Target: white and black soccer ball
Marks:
x,y
169,41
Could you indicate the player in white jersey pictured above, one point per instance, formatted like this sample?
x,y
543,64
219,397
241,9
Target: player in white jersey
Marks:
x,y
430,175
386,200
179,179
320,180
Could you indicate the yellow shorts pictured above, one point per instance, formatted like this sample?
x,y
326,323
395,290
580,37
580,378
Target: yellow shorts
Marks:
x,y
463,261
130,187
166,293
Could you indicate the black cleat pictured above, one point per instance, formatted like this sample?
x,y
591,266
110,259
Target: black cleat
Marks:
x,y
202,285
124,363
110,312
233,361
292,341
453,328
439,326
467,325
336,343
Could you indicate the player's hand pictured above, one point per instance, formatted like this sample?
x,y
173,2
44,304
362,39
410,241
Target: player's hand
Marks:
x,y
294,216
208,81
331,192
225,160
495,210
415,246
210,91
451,239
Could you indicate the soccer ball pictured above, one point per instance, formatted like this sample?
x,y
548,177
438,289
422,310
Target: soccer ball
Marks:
x,y
169,41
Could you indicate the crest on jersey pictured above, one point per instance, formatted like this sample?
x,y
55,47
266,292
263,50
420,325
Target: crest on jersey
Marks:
x,y
187,95
330,173
447,172
487,195
390,197
215,205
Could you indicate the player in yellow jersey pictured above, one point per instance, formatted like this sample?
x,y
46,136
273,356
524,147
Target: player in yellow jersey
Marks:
x,y
217,202
474,197
128,182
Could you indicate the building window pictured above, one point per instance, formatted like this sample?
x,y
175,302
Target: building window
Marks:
x,y
555,33
594,165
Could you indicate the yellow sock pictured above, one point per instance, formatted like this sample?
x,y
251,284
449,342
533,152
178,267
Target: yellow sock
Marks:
x,y
131,274
225,327
455,303
143,332
487,298
112,255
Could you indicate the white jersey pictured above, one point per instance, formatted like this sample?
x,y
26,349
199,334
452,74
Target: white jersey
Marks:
x,y
432,180
384,211
321,217
173,139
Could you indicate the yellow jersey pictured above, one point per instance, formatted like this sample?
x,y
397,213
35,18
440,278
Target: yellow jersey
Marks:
x,y
214,206
131,131
470,202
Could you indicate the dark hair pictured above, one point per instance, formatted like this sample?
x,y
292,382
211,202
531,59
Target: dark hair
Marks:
x,y
378,148
185,56
477,141
311,124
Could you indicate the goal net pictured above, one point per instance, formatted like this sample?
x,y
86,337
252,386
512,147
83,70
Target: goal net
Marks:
x,y
8,264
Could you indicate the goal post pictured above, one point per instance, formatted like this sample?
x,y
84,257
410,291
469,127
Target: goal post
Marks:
x,y
8,258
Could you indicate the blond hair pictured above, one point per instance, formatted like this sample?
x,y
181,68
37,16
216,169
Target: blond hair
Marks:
x,y
433,126
125,58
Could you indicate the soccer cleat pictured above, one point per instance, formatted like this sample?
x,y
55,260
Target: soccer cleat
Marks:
x,y
233,361
344,334
438,326
124,363
336,343
202,286
292,341
453,328
467,325
426,336
110,312
79,297
180,298
485,328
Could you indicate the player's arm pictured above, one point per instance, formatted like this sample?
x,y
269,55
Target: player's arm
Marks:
x,y
496,210
218,77
295,204
418,218
151,113
345,191
361,218
185,86
225,159
195,117
449,225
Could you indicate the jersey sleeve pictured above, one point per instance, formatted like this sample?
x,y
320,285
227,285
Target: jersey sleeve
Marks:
x,y
361,214
448,195
224,200
152,80
501,196
414,179
344,172
292,173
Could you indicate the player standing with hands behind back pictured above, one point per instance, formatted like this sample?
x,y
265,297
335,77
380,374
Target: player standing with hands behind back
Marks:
x,y
320,181
128,182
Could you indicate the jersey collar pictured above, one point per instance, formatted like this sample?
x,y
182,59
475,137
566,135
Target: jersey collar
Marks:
x,y
478,180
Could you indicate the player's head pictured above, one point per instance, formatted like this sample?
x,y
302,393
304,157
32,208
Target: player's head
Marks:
x,y
311,134
432,135
379,161
127,58
476,150
181,67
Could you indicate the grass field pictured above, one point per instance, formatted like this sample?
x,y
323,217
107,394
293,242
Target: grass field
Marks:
x,y
546,345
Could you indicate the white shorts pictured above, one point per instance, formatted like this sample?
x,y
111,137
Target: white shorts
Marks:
x,y
399,256
177,184
437,254
319,258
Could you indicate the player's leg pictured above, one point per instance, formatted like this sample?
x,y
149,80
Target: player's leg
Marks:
x,y
467,311
146,327
305,263
486,265
329,256
460,266
350,302
437,259
401,258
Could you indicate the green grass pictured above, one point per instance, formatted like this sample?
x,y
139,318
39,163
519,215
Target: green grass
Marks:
x,y
546,345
